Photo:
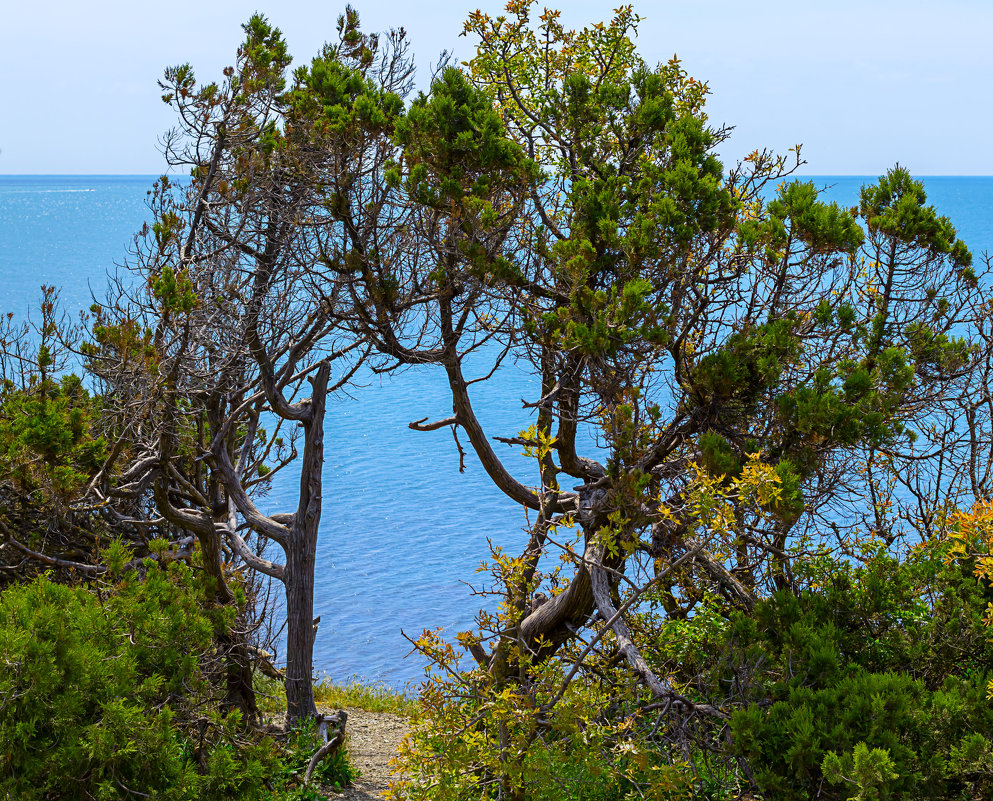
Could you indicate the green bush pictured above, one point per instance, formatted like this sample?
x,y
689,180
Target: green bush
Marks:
x,y
83,713
114,692
46,436
872,686
334,772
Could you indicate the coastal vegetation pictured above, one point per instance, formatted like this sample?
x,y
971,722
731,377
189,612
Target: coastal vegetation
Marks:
x,y
758,560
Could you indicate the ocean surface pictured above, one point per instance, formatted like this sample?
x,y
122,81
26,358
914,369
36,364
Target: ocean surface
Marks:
x,y
403,531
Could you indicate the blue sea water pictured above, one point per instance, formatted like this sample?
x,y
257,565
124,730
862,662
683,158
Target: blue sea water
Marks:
x,y
403,531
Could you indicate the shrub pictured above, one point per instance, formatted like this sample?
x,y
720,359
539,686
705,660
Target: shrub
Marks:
x,y
114,692
872,686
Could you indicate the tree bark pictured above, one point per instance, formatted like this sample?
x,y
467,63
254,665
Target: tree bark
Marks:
x,y
299,634
301,557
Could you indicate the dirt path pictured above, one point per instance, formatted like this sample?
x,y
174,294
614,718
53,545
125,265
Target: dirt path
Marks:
x,y
373,738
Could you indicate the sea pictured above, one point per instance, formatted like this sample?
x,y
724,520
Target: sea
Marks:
x,y
403,531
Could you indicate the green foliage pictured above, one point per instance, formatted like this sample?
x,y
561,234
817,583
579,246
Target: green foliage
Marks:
x,y
717,456
85,715
332,773
797,216
47,436
112,693
339,101
460,161
126,341
870,771
787,744
174,291
264,55
458,142
731,379
875,681
895,207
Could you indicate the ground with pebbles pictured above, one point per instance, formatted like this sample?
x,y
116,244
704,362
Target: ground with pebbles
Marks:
x,y
373,739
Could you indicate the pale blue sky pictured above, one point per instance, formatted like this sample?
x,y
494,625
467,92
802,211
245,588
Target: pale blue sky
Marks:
x,y
861,84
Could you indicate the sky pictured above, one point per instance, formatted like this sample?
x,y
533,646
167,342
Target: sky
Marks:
x,y
861,85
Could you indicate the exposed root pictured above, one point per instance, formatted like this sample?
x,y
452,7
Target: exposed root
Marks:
x,y
332,727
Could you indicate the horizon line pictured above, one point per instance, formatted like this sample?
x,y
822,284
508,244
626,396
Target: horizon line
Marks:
x,y
159,174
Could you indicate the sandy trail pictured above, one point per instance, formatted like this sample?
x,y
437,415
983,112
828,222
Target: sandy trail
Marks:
x,y
373,738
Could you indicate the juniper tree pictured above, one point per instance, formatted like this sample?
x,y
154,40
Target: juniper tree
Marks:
x,y
727,367
229,334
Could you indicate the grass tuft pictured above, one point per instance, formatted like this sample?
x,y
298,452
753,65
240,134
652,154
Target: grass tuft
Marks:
x,y
376,697
372,697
